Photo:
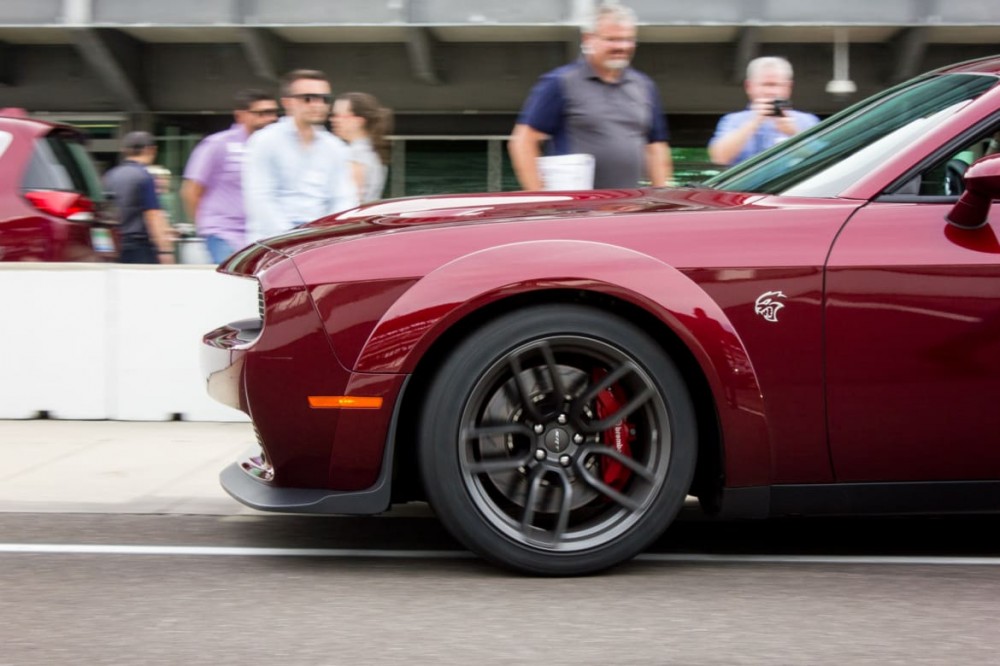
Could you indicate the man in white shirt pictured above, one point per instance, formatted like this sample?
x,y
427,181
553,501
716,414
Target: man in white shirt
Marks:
x,y
294,170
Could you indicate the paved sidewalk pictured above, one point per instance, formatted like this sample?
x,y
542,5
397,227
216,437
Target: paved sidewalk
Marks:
x,y
118,466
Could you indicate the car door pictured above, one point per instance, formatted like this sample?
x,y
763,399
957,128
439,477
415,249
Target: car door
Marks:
x,y
912,340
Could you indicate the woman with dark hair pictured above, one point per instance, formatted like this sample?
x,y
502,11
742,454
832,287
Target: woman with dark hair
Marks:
x,y
363,124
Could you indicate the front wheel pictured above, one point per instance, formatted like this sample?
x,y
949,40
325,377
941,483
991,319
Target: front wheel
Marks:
x,y
557,440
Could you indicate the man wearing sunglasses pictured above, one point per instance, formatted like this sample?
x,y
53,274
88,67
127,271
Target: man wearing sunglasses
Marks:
x,y
213,177
296,171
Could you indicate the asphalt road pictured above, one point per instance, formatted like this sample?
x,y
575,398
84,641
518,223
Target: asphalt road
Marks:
x,y
915,591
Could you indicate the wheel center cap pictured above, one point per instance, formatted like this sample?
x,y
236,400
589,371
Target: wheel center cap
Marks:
x,y
557,440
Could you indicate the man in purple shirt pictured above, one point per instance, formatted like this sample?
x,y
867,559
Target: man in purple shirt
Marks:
x,y
212,189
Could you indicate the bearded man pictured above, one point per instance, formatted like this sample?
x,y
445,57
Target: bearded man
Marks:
x,y
599,106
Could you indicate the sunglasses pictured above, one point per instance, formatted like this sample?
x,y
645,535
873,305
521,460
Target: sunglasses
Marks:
x,y
266,112
309,98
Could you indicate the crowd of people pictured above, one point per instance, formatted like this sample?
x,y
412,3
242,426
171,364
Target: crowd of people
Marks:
x,y
308,154
274,169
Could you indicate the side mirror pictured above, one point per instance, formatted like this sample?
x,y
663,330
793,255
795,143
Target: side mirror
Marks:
x,y
982,186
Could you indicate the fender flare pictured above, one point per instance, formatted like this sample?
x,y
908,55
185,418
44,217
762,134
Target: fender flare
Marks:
x,y
446,295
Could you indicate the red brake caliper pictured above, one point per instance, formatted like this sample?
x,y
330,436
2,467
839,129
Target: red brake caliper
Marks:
x,y
619,435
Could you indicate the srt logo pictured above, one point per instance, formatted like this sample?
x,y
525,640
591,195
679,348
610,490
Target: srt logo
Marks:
x,y
767,306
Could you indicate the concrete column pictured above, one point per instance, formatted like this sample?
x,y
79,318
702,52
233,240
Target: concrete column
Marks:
x,y
909,47
117,59
421,46
581,11
265,52
747,48
78,12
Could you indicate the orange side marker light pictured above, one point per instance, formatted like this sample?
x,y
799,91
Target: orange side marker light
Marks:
x,y
344,402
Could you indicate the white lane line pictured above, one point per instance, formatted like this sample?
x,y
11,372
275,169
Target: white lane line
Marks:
x,y
690,558
87,549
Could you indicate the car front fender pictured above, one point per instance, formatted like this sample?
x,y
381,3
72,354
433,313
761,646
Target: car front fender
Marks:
x,y
445,296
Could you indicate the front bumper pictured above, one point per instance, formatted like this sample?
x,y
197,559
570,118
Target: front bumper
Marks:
x,y
240,481
222,360
243,481
311,460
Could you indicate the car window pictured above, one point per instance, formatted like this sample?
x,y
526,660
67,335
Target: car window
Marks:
x,y
816,164
945,178
60,163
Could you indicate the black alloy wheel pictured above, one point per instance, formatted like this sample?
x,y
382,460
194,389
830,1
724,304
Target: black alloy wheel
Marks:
x,y
557,440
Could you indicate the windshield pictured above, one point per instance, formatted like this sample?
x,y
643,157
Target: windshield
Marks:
x,y
824,160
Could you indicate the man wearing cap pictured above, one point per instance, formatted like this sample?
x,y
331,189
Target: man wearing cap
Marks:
x,y
146,235
213,189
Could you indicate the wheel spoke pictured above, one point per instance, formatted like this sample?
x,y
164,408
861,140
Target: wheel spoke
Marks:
x,y
514,484
608,381
523,393
534,485
605,383
622,413
550,362
629,462
565,508
607,490
497,465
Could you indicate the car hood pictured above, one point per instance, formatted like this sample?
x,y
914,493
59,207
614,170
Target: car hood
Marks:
x,y
395,215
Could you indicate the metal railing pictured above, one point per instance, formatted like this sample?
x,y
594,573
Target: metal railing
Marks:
x,y
494,159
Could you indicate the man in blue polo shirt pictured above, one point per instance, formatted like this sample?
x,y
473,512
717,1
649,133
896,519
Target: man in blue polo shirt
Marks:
x,y
600,106
146,235
767,121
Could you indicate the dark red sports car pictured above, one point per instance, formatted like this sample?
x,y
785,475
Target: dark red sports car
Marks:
x,y
815,331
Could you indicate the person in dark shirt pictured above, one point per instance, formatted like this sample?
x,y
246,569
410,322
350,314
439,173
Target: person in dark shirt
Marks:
x,y
146,235
598,106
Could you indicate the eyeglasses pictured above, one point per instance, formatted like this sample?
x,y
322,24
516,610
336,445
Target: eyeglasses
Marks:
x,y
310,98
622,41
265,112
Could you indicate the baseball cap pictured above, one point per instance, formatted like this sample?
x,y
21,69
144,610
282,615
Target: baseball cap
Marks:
x,y
135,140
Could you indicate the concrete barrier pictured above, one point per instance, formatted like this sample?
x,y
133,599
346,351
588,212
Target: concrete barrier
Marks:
x,y
106,341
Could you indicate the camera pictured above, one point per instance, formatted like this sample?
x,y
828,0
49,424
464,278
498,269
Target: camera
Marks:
x,y
778,106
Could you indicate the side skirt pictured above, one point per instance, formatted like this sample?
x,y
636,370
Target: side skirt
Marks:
x,y
846,499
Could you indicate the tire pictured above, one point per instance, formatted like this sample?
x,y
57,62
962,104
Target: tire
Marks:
x,y
557,440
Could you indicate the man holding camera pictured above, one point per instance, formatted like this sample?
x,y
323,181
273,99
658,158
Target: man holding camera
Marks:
x,y
768,119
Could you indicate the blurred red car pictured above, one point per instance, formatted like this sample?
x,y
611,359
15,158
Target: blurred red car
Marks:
x,y
51,201
815,331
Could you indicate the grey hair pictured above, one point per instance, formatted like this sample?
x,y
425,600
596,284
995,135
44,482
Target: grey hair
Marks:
x,y
608,10
757,66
